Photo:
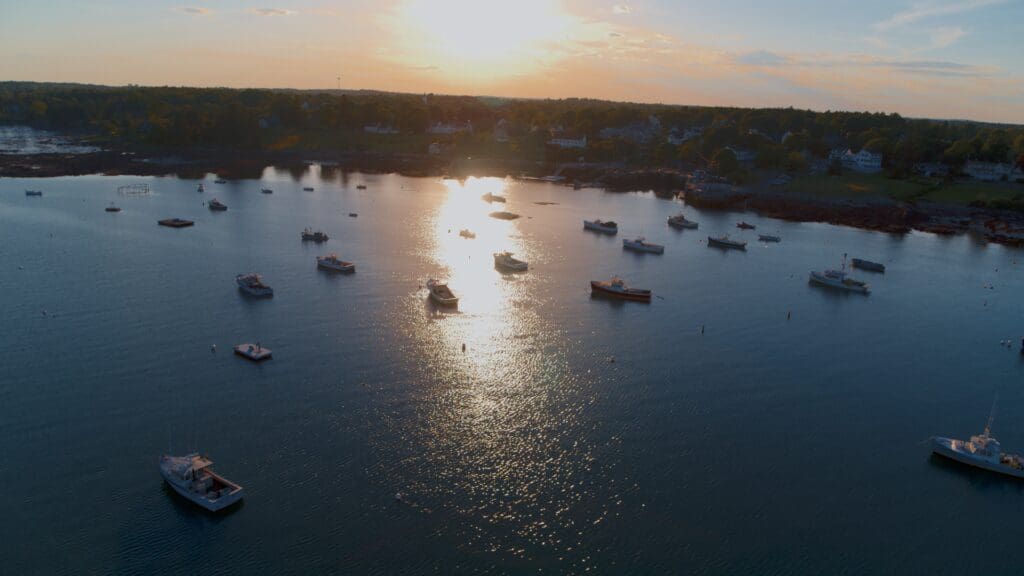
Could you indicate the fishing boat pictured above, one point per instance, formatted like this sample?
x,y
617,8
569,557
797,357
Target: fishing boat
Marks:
x,y
839,280
253,284
467,233
441,293
981,451
201,188
617,288
867,265
493,198
112,208
266,191
745,226
216,205
175,222
332,262
768,238
680,221
726,242
504,260
504,215
640,244
33,192
192,477
317,236
601,226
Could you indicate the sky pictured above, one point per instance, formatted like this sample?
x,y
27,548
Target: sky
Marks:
x,y
930,58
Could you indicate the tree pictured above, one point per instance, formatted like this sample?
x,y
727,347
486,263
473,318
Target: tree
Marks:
x,y
795,162
725,162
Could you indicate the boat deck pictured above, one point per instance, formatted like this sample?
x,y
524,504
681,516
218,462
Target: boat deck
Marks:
x,y
253,352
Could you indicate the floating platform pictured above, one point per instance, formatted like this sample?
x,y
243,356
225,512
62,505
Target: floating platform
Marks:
x,y
253,352
175,222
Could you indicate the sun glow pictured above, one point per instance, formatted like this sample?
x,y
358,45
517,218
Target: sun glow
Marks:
x,y
472,39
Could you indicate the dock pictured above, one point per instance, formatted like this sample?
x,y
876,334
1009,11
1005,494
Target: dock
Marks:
x,y
253,352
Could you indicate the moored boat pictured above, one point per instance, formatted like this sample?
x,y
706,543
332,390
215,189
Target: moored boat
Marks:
x,y
493,198
680,221
726,242
112,208
361,187
175,222
220,181
192,477
768,238
617,288
307,188
217,205
640,244
981,451
745,226
839,280
317,236
332,262
604,227
201,188
504,215
254,352
266,191
505,261
441,293
867,265
33,192
253,284
467,233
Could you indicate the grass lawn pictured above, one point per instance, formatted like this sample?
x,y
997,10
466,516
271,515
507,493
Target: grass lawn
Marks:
x,y
853,185
967,192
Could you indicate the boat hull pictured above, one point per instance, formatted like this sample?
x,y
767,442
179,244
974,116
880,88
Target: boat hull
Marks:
x,y
326,265
944,447
820,280
723,244
598,289
687,225
868,265
599,228
212,505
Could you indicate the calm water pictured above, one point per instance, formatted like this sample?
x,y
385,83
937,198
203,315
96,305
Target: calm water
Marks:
x,y
763,445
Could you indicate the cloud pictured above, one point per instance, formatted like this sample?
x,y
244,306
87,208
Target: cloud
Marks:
x,y
943,37
923,11
622,9
271,12
760,58
197,10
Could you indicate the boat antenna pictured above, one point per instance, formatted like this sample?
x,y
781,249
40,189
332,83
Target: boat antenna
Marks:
x,y
991,414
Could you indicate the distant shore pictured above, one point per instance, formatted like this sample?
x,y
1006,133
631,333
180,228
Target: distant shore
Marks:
x,y
880,214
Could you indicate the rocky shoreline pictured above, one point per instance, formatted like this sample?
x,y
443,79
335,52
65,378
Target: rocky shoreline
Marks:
x,y
880,214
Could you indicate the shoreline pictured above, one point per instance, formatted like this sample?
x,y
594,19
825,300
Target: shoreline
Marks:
x,y
870,213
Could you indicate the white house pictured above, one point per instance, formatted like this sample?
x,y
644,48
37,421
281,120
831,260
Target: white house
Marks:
x,y
987,171
380,129
450,128
568,140
862,161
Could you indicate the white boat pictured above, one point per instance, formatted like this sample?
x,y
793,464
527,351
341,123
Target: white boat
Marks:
x,y
467,233
441,294
217,205
768,238
601,226
640,244
253,284
201,188
839,280
506,261
332,262
726,242
680,221
318,236
981,451
192,478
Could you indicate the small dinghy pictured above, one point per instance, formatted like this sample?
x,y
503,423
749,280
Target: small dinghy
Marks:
x,y
254,352
745,226
175,222
112,208
726,242
768,238
217,205
867,265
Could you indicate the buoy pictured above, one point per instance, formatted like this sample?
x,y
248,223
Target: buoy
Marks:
x,y
612,359
213,348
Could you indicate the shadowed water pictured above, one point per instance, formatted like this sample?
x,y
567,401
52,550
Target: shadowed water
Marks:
x,y
573,434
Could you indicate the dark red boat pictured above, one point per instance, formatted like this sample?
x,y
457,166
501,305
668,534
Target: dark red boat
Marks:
x,y
616,288
745,226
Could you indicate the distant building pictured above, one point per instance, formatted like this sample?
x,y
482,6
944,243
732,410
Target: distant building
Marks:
x,y
380,129
863,161
639,132
564,139
450,128
678,136
501,131
987,171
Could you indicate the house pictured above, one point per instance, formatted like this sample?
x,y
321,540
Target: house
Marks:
x,y
564,139
677,137
501,131
987,171
450,128
638,133
863,161
379,128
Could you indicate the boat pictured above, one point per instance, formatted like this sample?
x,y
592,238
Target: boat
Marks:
x,y
493,198
745,226
220,181
867,265
254,352
253,284
601,226
838,279
332,262
504,215
112,208
640,244
266,191
505,261
981,451
307,188
175,222
353,215
726,242
441,293
680,221
193,479
217,205
33,192
361,187
317,236
467,233
617,288
768,238
201,188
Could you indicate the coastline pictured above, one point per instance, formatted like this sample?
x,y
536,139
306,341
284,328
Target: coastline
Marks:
x,y
871,213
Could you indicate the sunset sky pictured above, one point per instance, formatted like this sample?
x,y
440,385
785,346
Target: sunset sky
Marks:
x,y
943,58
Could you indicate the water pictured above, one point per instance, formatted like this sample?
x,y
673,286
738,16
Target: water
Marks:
x,y
763,445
